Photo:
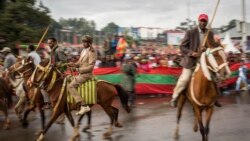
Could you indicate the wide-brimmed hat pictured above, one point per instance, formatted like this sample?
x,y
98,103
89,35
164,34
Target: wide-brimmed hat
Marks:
x,y
5,49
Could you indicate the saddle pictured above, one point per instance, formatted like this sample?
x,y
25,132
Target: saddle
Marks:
x,y
87,91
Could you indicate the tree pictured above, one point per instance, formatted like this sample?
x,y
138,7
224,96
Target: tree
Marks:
x,y
21,21
111,29
79,26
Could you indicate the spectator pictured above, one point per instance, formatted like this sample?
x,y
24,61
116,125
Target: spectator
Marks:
x,y
9,59
242,78
128,80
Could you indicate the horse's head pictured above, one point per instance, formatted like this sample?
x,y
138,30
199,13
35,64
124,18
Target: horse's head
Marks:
x,y
41,72
215,60
23,67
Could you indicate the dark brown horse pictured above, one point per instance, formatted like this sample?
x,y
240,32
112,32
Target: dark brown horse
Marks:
x,y
57,89
202,92
5,101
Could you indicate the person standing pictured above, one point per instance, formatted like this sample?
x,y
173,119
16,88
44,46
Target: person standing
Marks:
x,y
129,79
242,78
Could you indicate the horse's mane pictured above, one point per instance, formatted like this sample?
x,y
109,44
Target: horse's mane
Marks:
x,y
5,91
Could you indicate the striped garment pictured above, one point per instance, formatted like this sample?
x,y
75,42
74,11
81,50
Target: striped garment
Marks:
x,y
87,91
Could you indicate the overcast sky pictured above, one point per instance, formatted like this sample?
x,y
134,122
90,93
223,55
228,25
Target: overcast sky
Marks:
x,y
146,13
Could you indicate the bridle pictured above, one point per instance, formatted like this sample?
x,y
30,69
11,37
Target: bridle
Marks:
x,y
43,75
23,64
215,67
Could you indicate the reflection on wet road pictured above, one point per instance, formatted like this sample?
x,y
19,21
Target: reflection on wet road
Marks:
x,y
152,120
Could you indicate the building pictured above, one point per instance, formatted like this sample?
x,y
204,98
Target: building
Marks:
x,y
144,33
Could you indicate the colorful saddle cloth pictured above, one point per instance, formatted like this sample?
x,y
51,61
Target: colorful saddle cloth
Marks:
x,y
87,91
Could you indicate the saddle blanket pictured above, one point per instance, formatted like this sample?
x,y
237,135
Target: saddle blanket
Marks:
x,y
87,91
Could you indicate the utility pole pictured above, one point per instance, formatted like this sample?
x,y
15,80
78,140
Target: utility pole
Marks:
x,y
244,27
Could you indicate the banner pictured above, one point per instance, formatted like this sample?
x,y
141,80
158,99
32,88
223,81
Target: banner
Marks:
x,y
157,80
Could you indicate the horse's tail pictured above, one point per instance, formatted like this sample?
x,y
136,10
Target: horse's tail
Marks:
x,y
123,97
5,88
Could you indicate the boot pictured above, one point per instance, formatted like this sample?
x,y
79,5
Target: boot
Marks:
x,y
173,102
83,110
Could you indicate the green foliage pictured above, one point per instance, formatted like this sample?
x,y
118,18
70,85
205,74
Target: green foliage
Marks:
x,y
79,25
22,21
111,29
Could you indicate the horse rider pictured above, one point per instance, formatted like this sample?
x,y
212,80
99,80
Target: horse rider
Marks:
x,y
58,57
57,54
84,66
33,54
191,49
9,58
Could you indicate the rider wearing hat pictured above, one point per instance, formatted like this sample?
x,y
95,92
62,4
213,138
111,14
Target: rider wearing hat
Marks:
x,y
9,58
84,66
191,49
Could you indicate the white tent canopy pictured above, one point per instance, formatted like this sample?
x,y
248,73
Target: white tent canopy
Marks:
x,y
229,44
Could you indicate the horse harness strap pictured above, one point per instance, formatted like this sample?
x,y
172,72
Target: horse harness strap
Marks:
x,y
193,95
53,80
61,95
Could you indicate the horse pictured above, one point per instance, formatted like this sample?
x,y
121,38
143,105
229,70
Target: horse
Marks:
x,y
202,92
56,87
23,69
5,101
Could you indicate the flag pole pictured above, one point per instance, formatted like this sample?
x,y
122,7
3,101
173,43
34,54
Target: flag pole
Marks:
x,y
209,25
45,32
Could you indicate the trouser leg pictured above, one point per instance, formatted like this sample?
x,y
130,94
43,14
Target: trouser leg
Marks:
x,y
72,88
182,82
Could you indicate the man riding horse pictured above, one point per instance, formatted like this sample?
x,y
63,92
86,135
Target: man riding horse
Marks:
x,y
191,49
84,66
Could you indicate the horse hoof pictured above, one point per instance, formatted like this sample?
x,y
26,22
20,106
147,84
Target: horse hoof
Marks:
x,y
106,135
6,127
40,138
38,133
176,136
85,129
119,125
25,124
195,129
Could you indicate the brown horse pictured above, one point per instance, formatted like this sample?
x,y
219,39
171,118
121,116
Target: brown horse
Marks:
x,y
202,92
23,69
5,101
57,89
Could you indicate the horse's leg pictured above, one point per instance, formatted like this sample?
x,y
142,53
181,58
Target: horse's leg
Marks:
x,y
109,111
181,102
24,121
116,113
72,122
60,119
198,113
209,113
53,118
42,115
19,107
195,126
89,115
7,120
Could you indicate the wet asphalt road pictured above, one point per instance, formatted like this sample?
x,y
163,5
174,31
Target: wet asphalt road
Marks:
x,y
152,120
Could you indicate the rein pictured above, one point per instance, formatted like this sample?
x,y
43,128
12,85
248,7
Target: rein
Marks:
x,y
206,70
